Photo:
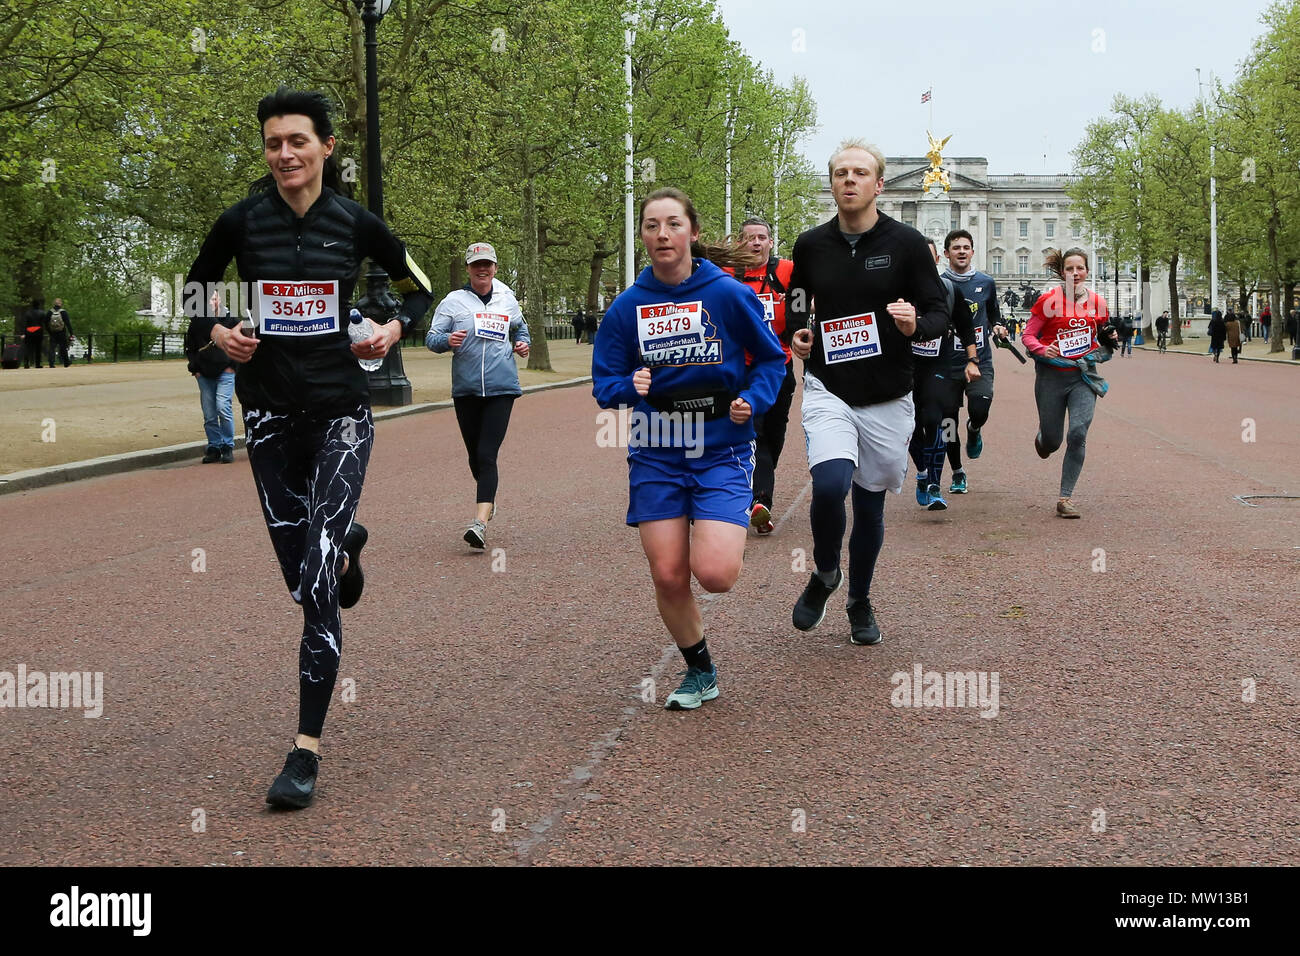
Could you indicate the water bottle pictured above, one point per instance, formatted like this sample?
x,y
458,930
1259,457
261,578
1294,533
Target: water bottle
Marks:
x,y
360,329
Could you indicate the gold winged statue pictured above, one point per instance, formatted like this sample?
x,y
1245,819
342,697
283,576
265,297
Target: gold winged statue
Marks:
x,y
935,173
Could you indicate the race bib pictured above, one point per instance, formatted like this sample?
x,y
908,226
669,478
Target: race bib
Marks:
x,y
297,308
849,338
769,309
927,349
1074,343
669,325
492,325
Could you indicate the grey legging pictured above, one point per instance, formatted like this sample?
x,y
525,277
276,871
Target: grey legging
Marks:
x,y
1055,390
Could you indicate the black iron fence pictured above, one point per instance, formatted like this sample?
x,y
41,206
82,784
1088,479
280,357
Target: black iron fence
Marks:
x,y
139,346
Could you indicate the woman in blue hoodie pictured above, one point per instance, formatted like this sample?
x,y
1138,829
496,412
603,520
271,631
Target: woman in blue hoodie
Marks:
x,y
672,347
483,326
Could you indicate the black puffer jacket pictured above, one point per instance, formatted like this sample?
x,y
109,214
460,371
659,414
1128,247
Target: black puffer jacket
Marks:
x,y
268,242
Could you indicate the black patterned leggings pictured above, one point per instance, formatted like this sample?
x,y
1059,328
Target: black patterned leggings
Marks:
x,y
309,469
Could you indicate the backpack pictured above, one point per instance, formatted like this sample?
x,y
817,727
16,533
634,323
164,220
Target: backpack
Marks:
x,y
56,320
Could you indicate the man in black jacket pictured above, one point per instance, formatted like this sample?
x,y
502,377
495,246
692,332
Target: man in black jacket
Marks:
x,y
872,284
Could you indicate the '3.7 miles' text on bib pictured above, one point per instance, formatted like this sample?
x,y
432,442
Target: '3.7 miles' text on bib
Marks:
x,y
849,338
669,325
298,308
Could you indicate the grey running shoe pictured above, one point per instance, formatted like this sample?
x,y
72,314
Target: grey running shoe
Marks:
x,y
476,534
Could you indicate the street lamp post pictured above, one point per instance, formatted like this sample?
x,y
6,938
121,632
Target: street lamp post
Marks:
x,y
388,384
629,236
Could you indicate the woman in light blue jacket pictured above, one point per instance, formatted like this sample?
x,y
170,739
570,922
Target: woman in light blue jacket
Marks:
x,y
483,326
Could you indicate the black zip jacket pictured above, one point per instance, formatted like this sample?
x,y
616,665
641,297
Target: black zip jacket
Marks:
x,y
949,354
266,240
832,280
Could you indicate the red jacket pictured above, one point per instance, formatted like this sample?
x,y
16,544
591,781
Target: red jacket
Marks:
x,y
1070,326
756,278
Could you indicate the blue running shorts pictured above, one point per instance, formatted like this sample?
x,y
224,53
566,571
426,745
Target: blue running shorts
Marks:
x,y
716,486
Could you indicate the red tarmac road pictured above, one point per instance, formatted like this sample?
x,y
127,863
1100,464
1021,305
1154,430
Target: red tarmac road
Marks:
x,y
511,694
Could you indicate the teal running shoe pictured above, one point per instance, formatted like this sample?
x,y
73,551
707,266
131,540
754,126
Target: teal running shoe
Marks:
x,y
697,687
958,486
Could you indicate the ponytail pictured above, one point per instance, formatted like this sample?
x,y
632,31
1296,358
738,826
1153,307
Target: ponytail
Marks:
x,y
726,255
1055,261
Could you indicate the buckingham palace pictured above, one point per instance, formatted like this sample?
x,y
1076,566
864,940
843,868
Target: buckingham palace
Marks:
x,y
1014,220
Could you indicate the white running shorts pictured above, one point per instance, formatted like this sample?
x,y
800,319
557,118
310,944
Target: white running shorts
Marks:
x,y
873,437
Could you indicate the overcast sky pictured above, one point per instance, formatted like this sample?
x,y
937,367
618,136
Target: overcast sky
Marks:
x,y
1015,81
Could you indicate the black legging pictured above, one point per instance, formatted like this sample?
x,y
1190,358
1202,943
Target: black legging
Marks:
x,y
937,399
309,470
769,431
977,415
483,423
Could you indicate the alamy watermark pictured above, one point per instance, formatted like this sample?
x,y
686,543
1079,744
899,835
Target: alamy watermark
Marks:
x,y
638,429
923,688
78,690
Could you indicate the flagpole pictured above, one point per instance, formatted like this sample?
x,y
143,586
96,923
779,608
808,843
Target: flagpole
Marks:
x,y
931,105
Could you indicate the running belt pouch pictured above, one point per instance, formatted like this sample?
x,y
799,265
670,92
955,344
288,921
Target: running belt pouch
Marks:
x,y
712,405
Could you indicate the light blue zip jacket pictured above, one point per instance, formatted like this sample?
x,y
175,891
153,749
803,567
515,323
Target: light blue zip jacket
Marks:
x,y
483,365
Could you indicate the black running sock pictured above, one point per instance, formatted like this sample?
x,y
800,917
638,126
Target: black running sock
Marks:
x,y
698,656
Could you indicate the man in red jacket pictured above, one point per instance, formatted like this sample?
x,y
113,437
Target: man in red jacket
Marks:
x,y
770,280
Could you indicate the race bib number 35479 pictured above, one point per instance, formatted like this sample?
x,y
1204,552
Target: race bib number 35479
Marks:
x,y
298,308
669,325
849,338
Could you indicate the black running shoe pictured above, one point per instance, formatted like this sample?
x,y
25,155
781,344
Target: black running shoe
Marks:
x,y
811,606
293,789
862,624
353,581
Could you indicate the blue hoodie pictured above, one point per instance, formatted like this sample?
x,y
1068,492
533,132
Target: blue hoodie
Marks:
x,y
733,322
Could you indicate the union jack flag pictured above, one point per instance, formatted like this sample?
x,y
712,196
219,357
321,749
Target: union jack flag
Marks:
x,y
925,97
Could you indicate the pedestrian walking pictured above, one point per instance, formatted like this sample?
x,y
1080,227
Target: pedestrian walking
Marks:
x,y
59,326
1218,331
1232,337
215,373
34,321
299,244
483,326
672,347
876,291
1266,319
1068,334
579,323
1162,330
591,324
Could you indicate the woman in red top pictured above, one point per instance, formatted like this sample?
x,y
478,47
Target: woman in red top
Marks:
x,y
1067,334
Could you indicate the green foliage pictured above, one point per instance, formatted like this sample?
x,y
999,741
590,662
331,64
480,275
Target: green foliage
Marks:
x,y
126,130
